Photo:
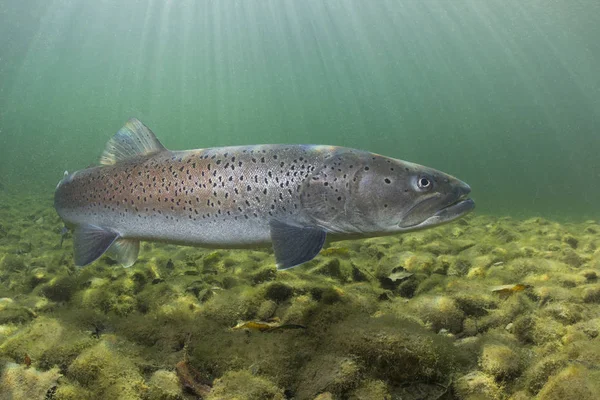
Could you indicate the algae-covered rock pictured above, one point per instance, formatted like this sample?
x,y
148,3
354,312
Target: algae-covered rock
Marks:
x,y
11,263
591,294
13,313
299,309
39,337
370,390
107,372
60,288
326,294
395,349
477,385
440,312
334,374
573,382
537,375
565,312
242,385
500,361
164,385
278,291
70,391
22,382
266,310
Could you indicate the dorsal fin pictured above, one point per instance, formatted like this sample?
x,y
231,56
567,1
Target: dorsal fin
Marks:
x,y
133,139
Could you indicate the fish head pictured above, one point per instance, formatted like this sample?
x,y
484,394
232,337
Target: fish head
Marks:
x,y
396,196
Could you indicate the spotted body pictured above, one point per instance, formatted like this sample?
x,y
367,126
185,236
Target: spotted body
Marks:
x,y
245,196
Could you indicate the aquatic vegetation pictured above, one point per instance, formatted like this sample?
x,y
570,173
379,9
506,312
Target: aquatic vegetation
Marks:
x,y
22,382
242,385
573,382
500,361
485,308
110,373
478,386
164,385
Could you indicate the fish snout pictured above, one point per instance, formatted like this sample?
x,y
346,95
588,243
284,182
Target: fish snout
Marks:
x,y
462,189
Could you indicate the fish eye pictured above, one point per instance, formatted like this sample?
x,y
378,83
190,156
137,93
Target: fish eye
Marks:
x,y
424,183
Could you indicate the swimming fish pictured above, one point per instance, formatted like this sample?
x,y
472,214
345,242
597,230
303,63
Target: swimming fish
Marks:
x,y
292,197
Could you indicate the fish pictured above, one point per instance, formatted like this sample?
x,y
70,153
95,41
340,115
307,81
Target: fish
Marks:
x,y
289,196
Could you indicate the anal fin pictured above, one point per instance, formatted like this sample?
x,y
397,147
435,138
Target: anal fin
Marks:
x,y
126,251
90,242
294,245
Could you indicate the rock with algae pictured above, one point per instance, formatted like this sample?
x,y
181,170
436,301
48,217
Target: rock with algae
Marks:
x,y
573,382
334,374
107,372
22,382
164,385
440,312
395,349
242,385
477,385
500,361
369,390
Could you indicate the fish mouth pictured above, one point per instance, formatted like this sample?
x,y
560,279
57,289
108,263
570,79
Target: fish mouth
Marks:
x,y
459,208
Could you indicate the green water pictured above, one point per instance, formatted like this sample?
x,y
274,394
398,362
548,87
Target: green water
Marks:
x,y
504,94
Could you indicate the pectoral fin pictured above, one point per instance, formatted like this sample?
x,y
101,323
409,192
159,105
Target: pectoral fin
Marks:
x,y
126,251
90,242
294,245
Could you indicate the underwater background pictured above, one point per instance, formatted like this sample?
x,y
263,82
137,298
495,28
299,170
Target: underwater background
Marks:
x,y
504,94
502,304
